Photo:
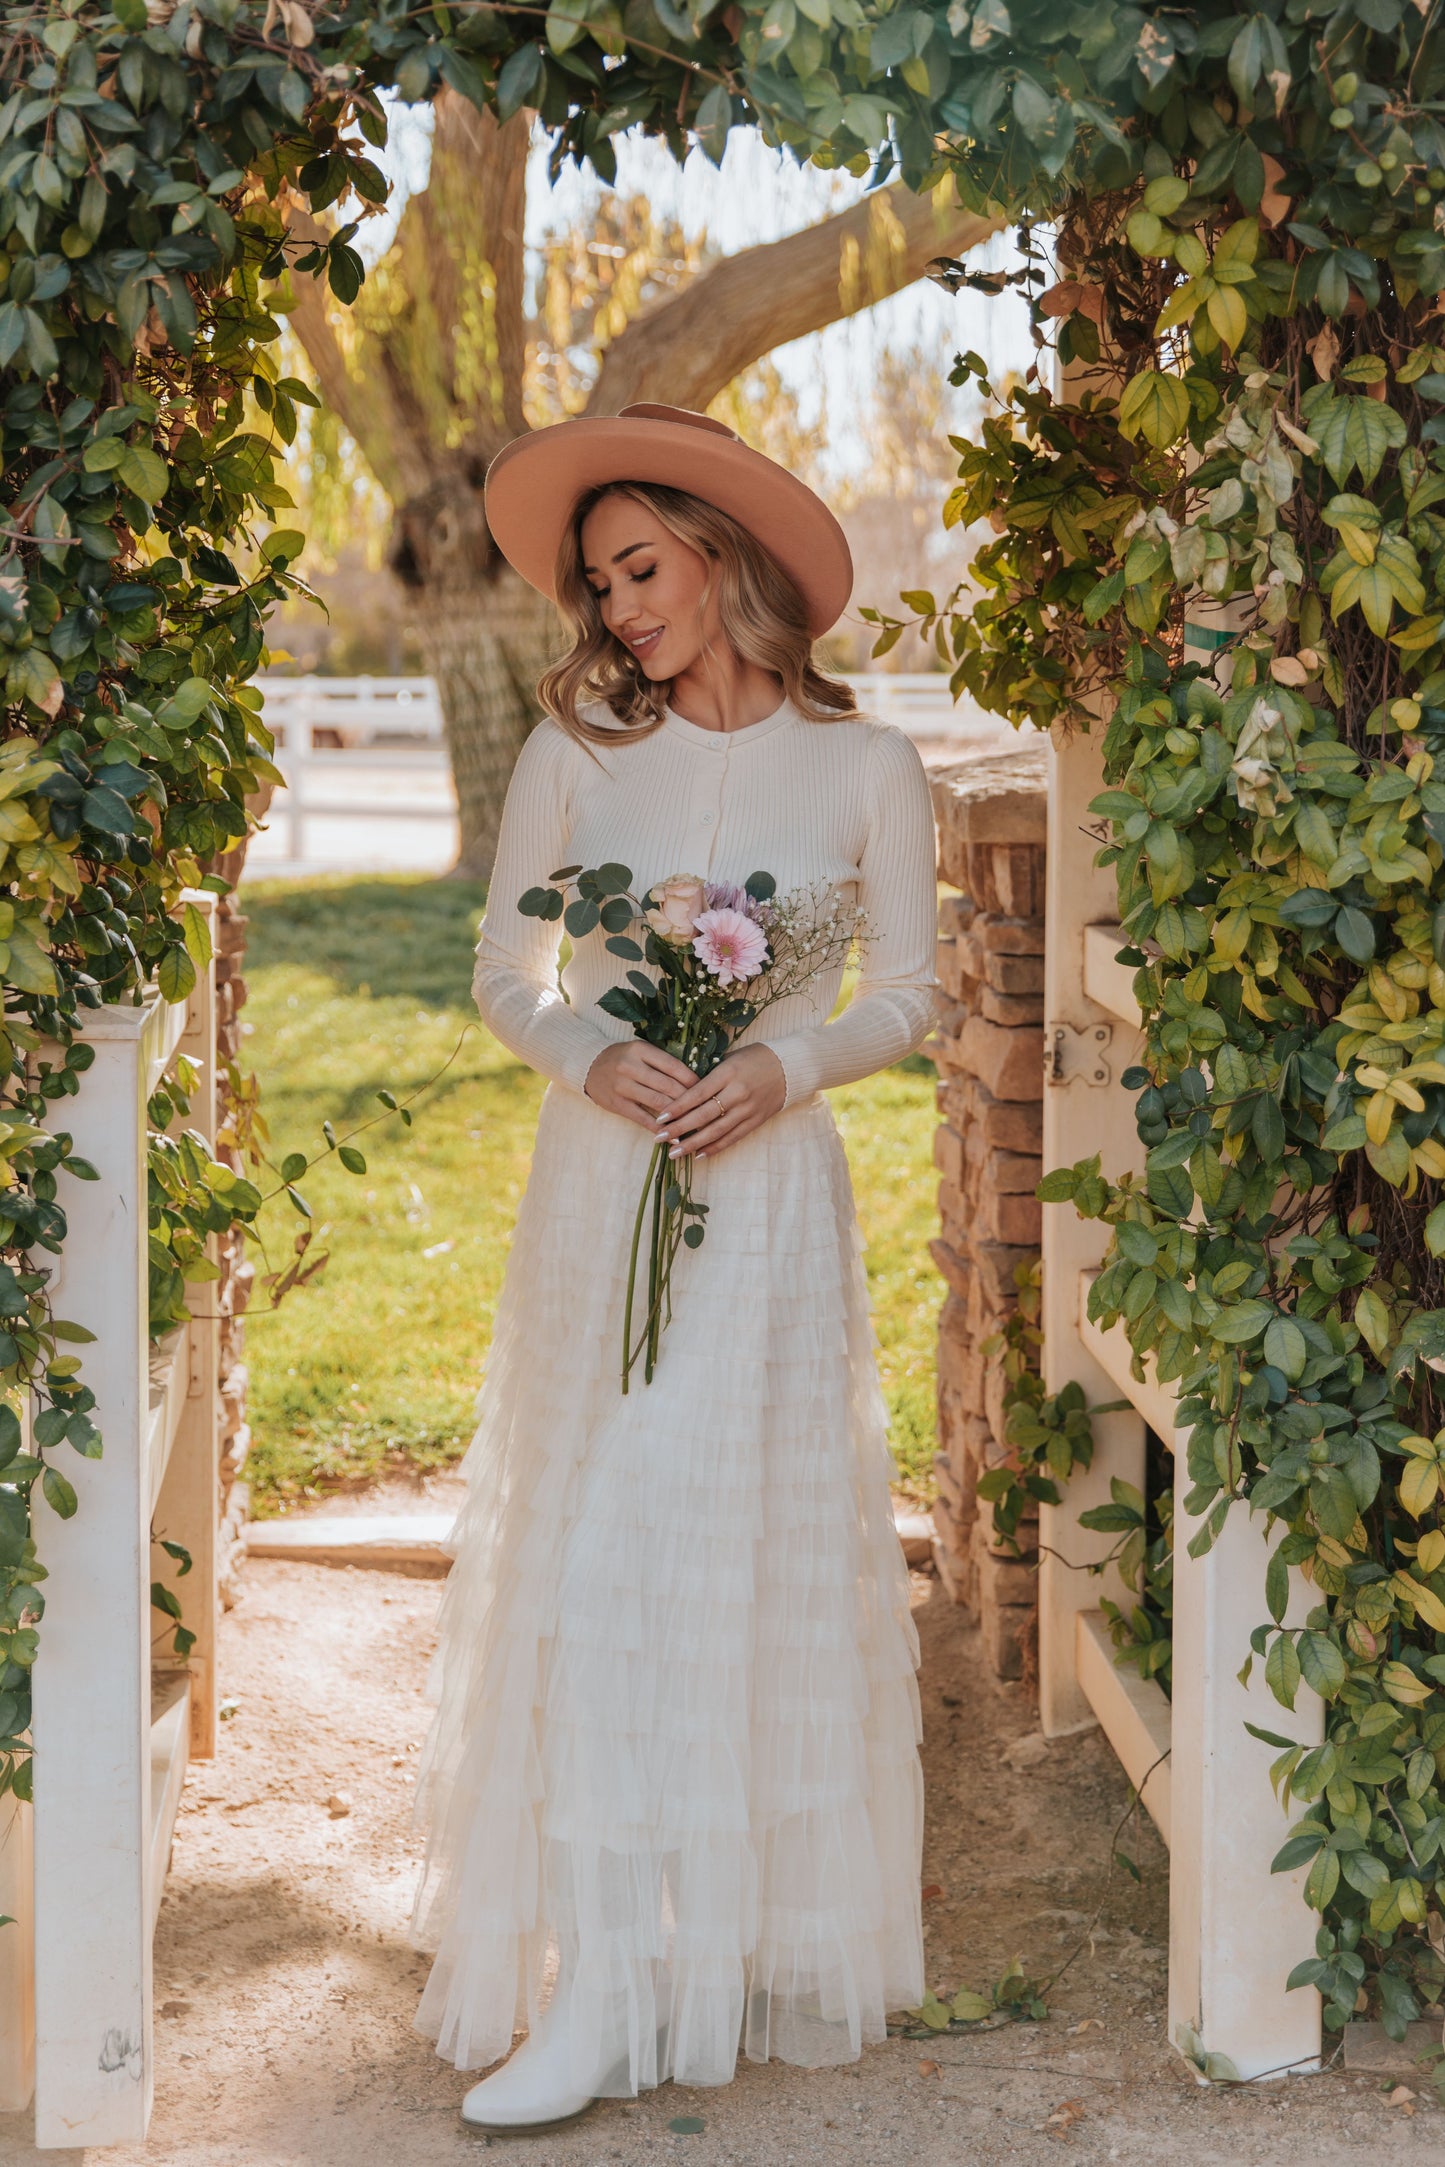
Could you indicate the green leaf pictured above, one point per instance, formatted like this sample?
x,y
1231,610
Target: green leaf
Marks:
x,y
144,471
1282,1670
353,1160
1242,1322
1286,1347
519,80
713,121
59,1494
1154,406
197,934
175,974
1322,1664
1276,1586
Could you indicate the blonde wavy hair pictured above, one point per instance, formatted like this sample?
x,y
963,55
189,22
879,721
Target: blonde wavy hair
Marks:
x,y
763,619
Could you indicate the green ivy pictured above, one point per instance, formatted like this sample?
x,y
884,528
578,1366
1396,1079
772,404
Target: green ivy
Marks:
x,y
1223,547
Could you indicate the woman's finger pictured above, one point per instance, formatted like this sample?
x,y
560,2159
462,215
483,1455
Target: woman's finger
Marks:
x,y
714,1129
666,1065
677,1120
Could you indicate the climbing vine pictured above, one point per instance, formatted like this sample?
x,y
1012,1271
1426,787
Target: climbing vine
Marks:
x,y
1220,545
1224,549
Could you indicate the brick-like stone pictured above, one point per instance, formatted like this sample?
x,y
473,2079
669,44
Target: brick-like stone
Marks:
x,y
999,797
1008,1581
958,1577
956,914
955,1271
951,1016
995,1387
1016,882
1017,1220
954,1216
1013,1010
1016,976
1010,1636
948,1154
1011,1173
996,1264
1008,936
1010,1064
958,982
953,1329
950,1489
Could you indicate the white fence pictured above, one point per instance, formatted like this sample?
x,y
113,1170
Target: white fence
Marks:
x,y
114,1719
369,788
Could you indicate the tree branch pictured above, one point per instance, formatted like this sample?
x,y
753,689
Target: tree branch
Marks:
x,y
685,349
362,402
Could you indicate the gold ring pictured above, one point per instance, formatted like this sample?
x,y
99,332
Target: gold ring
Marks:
x,y
717,1102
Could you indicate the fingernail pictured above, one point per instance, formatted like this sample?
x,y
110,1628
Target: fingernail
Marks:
x,y
675,1152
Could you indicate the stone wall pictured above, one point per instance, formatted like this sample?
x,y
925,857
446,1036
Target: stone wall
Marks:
x,y
233,1289
989,1051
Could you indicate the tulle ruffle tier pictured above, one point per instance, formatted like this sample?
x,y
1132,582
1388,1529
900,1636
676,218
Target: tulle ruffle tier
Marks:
x,y
677,1721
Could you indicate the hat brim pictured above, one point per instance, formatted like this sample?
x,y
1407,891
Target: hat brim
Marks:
x,y
534,484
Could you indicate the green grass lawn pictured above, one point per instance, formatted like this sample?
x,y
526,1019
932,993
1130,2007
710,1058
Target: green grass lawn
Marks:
x,y
360,985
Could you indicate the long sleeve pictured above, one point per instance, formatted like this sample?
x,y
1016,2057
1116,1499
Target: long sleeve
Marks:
x,y
515,981
892,1007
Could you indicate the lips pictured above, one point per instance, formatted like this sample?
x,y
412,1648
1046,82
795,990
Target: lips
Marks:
x,y
646,641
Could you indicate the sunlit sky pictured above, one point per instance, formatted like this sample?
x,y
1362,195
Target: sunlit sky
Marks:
x,y
759,195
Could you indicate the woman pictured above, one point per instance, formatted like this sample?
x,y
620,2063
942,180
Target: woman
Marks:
x,y
677,1723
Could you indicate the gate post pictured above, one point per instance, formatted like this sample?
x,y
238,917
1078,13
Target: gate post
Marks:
x,y
1084,1111
92,1705
1236,1931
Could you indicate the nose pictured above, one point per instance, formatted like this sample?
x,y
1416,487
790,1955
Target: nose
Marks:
x,y
621,610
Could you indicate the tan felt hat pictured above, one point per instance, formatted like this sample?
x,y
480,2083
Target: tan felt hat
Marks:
x,y
533,487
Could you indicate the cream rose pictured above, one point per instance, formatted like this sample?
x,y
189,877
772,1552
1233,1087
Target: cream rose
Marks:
x,y
677,902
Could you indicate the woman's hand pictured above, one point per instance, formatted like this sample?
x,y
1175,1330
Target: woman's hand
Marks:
x,y
740,1094
636,1080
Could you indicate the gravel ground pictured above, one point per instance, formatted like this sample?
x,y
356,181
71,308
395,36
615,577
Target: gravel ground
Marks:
x,y
285,1989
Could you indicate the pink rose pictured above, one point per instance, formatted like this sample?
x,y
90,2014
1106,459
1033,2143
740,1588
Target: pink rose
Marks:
x,y
730,946
678,902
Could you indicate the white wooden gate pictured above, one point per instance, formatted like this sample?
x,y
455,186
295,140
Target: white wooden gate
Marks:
x,y
1235,1930
113,1722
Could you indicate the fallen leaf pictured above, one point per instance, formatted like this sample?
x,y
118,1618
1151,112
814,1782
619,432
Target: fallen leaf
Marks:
x,y
934,1888
930,2069
687,2125
338,1805
1086,2024
1403,2098
1065,2114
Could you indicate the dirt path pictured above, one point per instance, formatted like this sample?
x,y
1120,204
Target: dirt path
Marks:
x,y
286,1990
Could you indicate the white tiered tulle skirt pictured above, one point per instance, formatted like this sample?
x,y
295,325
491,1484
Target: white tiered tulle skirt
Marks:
x,y
677,1722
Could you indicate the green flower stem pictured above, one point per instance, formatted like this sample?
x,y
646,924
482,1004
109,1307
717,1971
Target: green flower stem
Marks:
x,y
629,1354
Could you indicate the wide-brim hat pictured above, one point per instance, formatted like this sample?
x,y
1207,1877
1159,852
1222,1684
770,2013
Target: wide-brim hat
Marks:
x,y
534,486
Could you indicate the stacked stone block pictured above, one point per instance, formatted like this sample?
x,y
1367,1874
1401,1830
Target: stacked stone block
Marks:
x,y
233,1289
989,1050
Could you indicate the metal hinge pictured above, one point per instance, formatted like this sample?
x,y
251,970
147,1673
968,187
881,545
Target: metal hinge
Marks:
x,y
1078,1054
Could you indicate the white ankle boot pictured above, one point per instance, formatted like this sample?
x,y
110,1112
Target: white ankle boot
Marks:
x,y
537,2087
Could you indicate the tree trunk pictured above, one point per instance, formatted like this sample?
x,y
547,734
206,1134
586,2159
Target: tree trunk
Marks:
x,y
488,639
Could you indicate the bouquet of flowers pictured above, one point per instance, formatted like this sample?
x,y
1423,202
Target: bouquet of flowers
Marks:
x,y
721,955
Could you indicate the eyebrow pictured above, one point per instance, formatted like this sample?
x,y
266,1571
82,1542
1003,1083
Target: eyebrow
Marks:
x,y
630,551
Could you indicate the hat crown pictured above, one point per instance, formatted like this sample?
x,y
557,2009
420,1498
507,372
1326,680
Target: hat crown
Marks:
x,y
650,411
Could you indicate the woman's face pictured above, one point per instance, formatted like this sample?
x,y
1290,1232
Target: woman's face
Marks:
x,y
649,585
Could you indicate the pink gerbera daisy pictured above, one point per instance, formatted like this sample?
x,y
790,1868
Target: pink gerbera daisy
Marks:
x,y
729,945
